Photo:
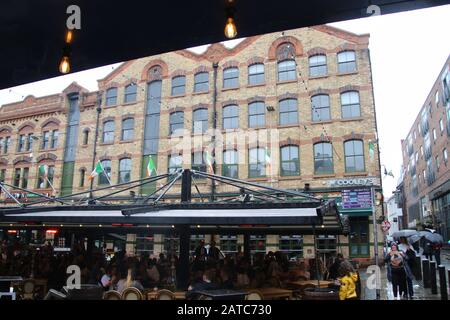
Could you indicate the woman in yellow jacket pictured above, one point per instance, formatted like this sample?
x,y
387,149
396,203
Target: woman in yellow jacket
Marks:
x,y
348,282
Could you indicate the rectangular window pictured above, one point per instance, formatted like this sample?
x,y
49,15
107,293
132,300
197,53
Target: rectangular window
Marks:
x,y
256,74
21,143
17,174
25,173
127,129
230,164
2,142
256,115
130,93
438,164
29,145
318,65
441,125
198,162
228,244
45,182
111,97
231,78
323,158
257,163
434,135
2,175
288,112
200,121
291,245
54,143
346,62
231,117
178,85
45,140
258,243
445,155
201,82
7,144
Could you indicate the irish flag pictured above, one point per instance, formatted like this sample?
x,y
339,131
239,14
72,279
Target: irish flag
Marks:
x,y
43,170
151,166
268,160
97,170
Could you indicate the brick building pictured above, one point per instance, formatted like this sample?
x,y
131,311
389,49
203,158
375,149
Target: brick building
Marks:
x,y
294,110
426,184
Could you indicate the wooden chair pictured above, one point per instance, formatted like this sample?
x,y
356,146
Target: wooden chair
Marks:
x,y
131,294
165,294
112,295
254,295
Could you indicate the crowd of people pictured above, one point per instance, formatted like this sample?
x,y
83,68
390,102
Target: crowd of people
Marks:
x,y
209,268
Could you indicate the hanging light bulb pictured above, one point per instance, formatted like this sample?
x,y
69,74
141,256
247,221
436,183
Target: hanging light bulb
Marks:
x,y
64,65
69,35
230,29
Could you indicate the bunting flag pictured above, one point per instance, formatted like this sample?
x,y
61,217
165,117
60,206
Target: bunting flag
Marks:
x,y
151,166
208,161
371,151
268,160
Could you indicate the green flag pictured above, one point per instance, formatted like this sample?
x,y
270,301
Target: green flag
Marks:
x,y
43,170
151,166
97,170
371,151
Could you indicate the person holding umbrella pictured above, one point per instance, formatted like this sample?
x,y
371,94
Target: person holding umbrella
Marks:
x,y
410,256
433,245
396,267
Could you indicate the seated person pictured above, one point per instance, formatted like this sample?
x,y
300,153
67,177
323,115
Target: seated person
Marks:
x,y
129,282
205,284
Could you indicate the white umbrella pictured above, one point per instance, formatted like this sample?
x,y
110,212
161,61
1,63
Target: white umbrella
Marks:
x,y
405,233
432,237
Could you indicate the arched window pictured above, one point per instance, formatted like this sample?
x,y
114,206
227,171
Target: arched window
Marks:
x,y
346,61
350,104
176,121
354,156
201,82
124,170
230,164
230,117
111,97
130,93
320,107
175,162
178,85
318,65
290,161
286,70
256,114
127,129
200,121
257,163
231,77
288,111
256,74
323,158
105,176
108,131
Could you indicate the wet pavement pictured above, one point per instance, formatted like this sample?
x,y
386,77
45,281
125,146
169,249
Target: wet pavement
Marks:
x,y
420,293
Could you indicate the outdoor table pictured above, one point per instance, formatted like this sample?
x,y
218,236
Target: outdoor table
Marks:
x,y
301,283
223,294
179,295
275,293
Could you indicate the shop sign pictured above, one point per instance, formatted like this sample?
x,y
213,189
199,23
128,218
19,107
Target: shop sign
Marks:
x,y
367,181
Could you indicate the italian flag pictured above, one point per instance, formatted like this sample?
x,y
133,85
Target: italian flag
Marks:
x,y
268,161
97,170
151,166
208,161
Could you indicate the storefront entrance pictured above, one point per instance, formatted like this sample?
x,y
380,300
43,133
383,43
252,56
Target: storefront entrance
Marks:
x,y
359,237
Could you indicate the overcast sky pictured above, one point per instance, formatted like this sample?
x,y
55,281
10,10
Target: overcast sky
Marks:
x,y
408,50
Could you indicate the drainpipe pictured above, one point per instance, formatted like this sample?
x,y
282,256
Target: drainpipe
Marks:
x,y
213,138
94,153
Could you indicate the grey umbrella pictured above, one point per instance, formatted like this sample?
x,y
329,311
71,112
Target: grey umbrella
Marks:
x,y
405,233
432,237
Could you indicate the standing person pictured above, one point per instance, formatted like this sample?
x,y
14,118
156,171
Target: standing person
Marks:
x,y
348,281
334,268
437,252
410,256
396,261
214,252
